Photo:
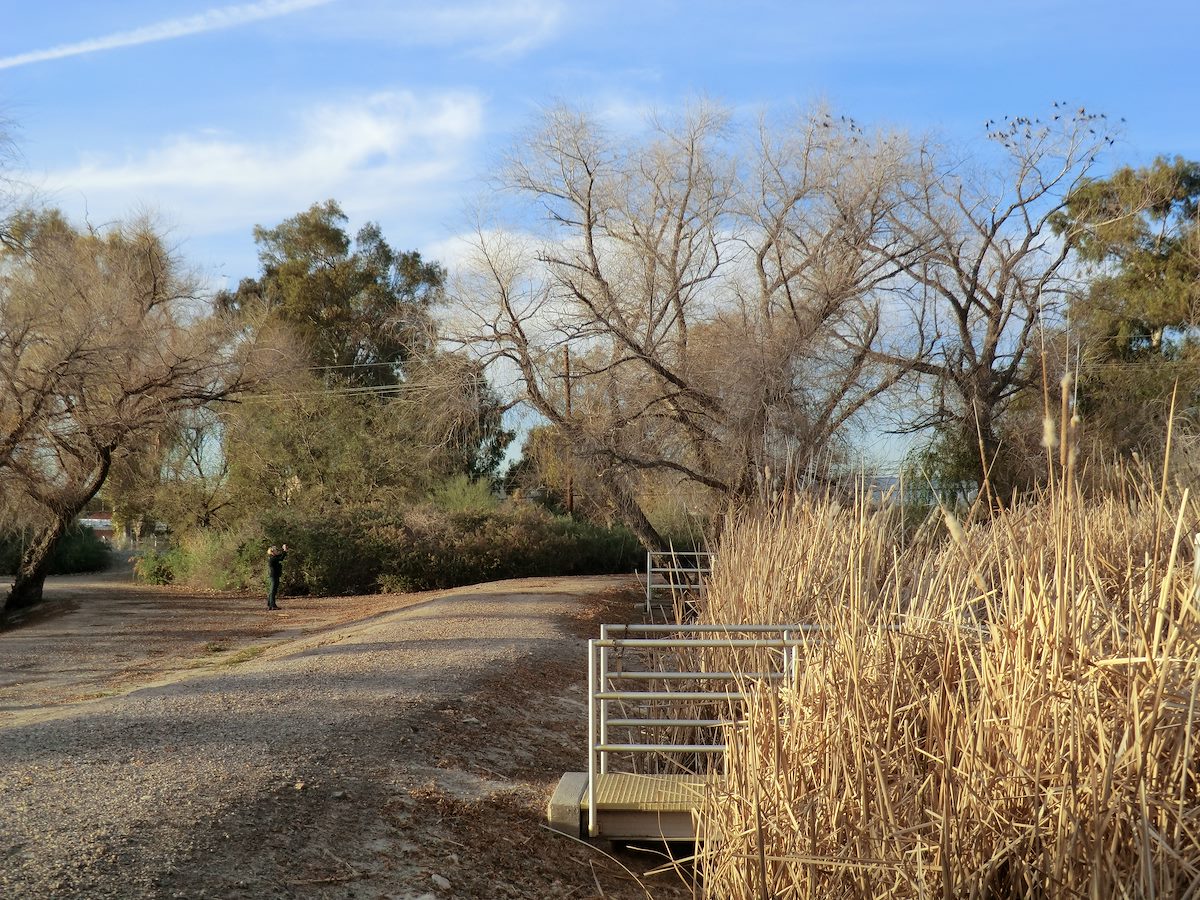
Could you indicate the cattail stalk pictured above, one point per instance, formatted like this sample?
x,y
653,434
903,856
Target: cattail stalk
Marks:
x,y
1044,745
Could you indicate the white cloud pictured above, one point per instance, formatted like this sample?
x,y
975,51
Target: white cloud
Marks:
x,y
511,28
210,20
373,154
452,252
493,30
625,115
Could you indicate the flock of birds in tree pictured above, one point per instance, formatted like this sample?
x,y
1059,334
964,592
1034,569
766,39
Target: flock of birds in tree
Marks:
x,y
1011,126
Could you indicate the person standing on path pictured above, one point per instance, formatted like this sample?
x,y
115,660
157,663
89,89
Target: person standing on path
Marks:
x,y
275,558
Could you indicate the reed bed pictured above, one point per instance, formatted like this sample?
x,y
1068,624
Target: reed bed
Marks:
x,y
1009,708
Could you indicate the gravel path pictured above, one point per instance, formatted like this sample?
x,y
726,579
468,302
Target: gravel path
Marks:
x,y
404,756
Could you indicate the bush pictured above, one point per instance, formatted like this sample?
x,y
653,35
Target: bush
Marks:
x,y
462,494
78,551
366,550
326,555
158,568
432,550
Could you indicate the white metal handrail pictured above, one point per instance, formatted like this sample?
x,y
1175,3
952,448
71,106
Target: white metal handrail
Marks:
x,y
700,628
663,643
677,576
602,691
691,676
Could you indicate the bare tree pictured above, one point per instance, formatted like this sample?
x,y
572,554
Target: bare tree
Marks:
x,y
178,476
702,296
983,267
104,341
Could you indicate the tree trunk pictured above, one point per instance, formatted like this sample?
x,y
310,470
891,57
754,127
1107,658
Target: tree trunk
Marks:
x,y
630,513
998,475
35,561
34,567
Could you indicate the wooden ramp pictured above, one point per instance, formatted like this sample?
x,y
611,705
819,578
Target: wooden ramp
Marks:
x,y
629,806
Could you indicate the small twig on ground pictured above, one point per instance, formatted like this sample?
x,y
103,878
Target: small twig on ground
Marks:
x,y
596,879
353,875
630,872
338,859
673,863
333,879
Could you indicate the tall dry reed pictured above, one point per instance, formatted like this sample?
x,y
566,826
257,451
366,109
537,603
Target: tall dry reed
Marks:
x,y
1009,711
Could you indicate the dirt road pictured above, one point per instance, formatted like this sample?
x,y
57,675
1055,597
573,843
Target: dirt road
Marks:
x,y
155,743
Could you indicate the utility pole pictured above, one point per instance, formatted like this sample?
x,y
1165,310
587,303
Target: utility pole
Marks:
x,y
567,391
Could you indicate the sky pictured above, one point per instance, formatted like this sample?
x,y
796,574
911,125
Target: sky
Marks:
x,y
218,117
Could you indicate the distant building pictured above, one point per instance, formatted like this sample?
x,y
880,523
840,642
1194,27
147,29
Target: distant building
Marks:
x,y
100,523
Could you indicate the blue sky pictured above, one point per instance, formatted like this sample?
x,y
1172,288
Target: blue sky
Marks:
x,y
222,116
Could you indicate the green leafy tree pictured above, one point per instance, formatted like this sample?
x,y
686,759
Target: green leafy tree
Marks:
x,y
310,447
1136,322
359,308
383,413
1139,227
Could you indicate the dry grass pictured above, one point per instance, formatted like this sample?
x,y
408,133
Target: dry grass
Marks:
x,y
1030,730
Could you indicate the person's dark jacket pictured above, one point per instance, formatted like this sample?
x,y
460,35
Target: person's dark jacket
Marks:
x,y
275,564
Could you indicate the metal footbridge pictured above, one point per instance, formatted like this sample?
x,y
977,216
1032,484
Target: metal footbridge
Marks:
x,y
661,701
675,577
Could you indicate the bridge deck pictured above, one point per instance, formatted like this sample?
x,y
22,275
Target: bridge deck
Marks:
x,y
647,793
630,806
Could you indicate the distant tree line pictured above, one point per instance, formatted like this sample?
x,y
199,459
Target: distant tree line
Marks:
x,y
692,316
317,386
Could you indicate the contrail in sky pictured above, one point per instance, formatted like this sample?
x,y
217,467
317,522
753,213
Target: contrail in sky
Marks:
x,y
210,20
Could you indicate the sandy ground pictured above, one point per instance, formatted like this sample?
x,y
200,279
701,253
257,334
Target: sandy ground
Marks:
x,y
159,743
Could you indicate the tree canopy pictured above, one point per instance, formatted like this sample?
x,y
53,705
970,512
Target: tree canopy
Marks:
x,y
1138,228
373,411
1134,322
104,344
360,309
704,304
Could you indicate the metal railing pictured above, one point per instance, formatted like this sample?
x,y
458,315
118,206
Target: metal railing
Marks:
x,y
679,573
649,698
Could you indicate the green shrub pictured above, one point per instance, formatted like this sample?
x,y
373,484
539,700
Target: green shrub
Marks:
x,y
365,549
326,554
517,540
205,556
463,494
159,568
597,550
78,551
